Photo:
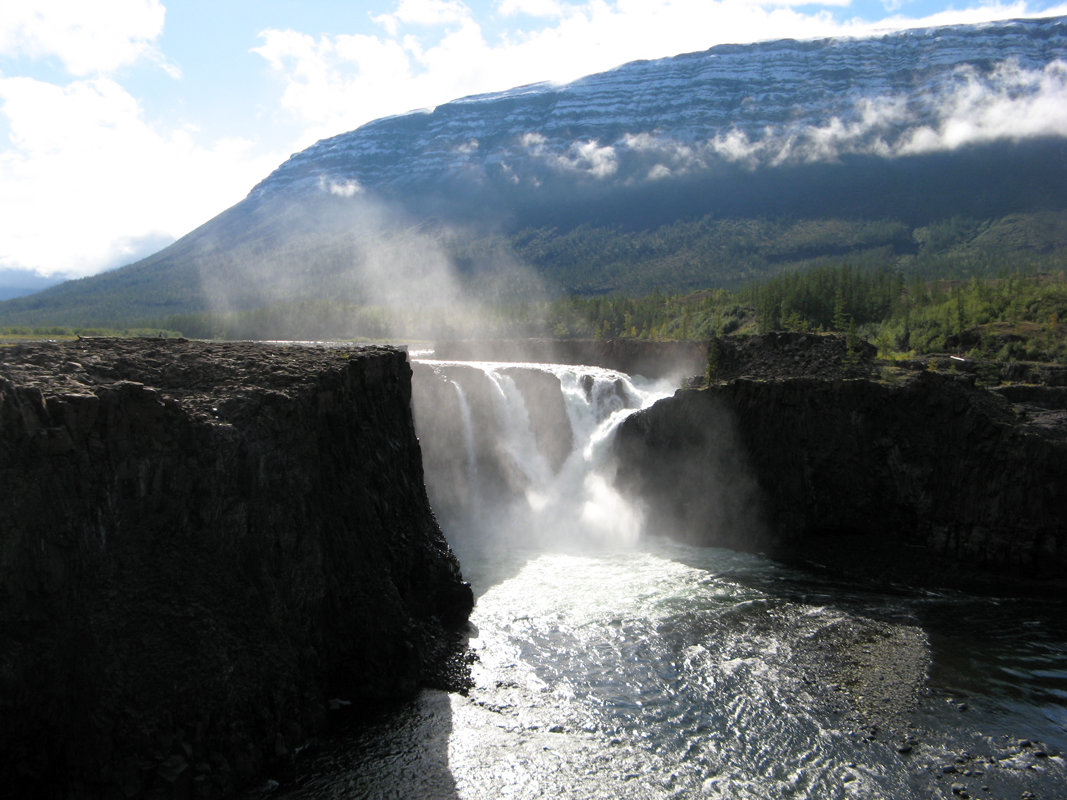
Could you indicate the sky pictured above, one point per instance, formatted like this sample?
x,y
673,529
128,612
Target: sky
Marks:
x,y
125,124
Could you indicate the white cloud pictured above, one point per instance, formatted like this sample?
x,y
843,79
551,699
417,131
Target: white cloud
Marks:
x,y
591,158
1008,103
333,84
88,37
427,13
86,177
531,8
348,188
1012,103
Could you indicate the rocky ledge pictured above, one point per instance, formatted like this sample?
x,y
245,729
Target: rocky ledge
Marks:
x,y
203,548
901,475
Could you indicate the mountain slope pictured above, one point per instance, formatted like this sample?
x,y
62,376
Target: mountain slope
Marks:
x,y
776,103
705,169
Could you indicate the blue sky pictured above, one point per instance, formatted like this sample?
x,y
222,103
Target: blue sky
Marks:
x,y
124,124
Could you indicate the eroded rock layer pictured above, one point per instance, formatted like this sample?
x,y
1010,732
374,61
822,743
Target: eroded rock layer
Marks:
x,y
202,546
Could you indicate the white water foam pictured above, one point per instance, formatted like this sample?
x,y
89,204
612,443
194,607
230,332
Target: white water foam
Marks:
x,y
574,504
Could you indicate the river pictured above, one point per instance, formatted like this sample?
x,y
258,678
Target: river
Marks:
x,y
610,662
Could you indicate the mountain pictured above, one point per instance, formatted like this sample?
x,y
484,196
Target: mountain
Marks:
x,y
19,282
924,149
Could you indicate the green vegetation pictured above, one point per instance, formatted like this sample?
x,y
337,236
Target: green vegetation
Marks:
x,y
1013,317
732,253
317,267
993,287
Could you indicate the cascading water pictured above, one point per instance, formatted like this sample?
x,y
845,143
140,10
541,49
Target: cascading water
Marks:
x,y
617,665
468,440
555,496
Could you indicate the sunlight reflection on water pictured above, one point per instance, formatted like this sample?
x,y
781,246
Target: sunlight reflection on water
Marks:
x,y
675,673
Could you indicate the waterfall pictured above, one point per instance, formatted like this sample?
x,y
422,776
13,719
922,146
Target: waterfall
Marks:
x,y
534,441
468,442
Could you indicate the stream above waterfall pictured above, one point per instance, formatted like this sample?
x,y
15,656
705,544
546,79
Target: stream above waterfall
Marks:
x,y
611,662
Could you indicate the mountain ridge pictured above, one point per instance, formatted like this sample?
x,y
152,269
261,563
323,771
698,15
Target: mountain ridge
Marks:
x,y
912,129
839,76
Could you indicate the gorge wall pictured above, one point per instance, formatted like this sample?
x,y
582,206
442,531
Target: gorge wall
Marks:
x,y
919,477
203,547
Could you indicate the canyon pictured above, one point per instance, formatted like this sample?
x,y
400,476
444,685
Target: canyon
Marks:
x,y
210,550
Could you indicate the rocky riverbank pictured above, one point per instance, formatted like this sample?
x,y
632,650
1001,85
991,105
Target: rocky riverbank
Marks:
x,y
808,451
204,548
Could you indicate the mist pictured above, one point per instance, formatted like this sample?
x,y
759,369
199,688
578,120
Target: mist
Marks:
x,y
342,264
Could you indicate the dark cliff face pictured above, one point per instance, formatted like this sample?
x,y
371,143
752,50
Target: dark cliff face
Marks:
x,y
929,480
201,545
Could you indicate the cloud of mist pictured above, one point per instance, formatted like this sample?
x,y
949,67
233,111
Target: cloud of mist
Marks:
x,y
1008,102
591,158
347,265
688,467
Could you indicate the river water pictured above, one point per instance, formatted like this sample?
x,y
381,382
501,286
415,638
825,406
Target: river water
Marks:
x,y
613,663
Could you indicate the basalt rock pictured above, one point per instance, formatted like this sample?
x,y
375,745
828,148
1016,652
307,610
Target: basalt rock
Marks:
x,y
784,354
928,479
203,547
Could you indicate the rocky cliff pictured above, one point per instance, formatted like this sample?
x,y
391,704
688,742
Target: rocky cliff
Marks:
x,y
915,476
203,546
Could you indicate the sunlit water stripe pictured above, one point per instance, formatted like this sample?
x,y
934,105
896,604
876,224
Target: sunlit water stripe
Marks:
x,y
683,682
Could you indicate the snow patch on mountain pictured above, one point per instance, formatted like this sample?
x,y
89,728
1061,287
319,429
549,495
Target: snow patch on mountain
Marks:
x,y
766,104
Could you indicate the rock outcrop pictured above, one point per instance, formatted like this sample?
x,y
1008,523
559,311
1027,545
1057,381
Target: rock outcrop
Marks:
x,y
203,546
919,477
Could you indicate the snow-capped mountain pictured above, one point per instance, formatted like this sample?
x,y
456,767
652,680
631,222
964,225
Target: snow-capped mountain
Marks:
x,y
772,103
702,170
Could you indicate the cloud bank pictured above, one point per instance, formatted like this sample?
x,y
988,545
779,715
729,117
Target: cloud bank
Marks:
x,y
1007,103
